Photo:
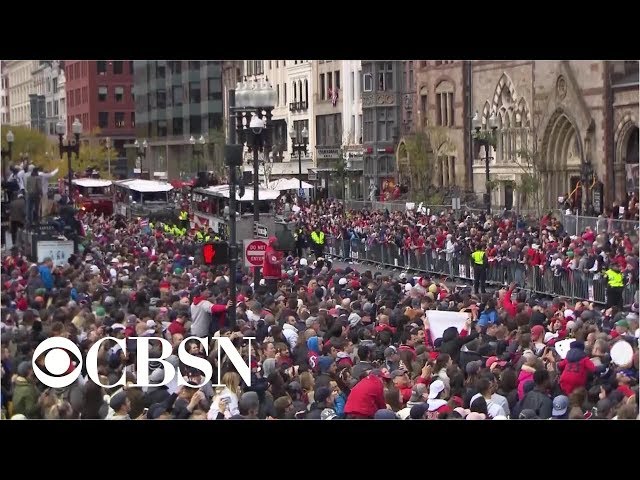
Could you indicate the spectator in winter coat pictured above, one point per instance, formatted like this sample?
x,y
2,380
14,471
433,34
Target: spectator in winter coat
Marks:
x,y
538,399
367,397
575,368
25,393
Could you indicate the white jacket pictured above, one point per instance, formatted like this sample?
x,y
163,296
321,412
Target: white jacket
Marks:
x,y
291,334
233,404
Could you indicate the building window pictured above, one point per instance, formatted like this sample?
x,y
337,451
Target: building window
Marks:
x,y
133,119
329,129
306,92
177,126
329,85
175,67
214,89
423,109
277,62
368,119
71,103
77,96
321,87
194,65
269,64
76,70
85,119
119,119
101,67
285,93
385,76
84,69
385,124
194,92
161,98
368,82
336,75
411,80
444,104
56,108
258,67
49,108
162,128
48,85
117,67
277,95
195,124
295,91
55,85
119,94
103,119
131,67
85,94
178,95
214,120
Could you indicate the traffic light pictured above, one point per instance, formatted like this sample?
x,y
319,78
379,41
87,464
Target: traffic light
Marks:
x,y
215,253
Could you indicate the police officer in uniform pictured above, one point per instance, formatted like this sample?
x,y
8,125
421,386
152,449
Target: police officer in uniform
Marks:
x,y
183,218
615,286
317,239
480,264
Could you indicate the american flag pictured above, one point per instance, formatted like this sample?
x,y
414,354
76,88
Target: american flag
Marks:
x,y
334,96
144,222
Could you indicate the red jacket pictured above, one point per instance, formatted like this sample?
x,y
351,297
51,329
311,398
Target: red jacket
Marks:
x,y
508,305
574,374
272,268
366,398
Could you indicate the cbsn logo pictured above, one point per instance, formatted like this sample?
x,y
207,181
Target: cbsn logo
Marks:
x,y
58,362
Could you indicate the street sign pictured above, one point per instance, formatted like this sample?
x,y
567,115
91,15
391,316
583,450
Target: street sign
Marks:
x,y
301,192
254,252
260,231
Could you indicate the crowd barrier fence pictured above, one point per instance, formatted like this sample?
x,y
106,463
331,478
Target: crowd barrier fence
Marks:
x,y
573,284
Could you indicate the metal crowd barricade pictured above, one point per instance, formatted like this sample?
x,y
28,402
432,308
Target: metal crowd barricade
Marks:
x,y
573,284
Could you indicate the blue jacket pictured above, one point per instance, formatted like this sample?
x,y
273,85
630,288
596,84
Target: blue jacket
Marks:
x,y
487,317
339,404
46,276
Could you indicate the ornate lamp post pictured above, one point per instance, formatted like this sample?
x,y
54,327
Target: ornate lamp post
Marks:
x,y
486,138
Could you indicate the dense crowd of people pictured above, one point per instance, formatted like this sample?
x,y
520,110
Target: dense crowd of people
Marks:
x,y
330,342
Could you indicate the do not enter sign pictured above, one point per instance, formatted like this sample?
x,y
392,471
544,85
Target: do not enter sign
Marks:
x,y
254,252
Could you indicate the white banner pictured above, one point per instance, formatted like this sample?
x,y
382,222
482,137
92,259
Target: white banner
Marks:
x,y
439,321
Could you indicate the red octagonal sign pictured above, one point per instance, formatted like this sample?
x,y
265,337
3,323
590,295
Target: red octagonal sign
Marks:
x,y
254,252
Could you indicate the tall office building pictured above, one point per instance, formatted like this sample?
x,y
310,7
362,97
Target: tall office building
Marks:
x,y
174,101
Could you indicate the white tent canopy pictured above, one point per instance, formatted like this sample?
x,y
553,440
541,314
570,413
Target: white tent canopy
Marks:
x,y
92,182
223,191
144,186
282,184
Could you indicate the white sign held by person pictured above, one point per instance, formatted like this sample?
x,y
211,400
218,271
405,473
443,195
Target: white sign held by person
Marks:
x,y
439,321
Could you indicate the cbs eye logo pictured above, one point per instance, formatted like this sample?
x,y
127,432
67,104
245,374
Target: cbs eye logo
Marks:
x,y
57,362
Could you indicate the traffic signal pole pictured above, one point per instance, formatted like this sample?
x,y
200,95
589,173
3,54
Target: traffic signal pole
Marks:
x,y
233,247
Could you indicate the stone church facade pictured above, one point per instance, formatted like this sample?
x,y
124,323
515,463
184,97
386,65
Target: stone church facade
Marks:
x,y
580,118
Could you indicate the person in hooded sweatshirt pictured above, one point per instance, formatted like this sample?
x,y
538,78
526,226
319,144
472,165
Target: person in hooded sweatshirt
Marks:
x,y
575,368
201,311
314,345
452,342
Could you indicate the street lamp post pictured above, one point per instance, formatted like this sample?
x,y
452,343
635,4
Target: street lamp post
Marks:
x,y
199,151
588,177
107,142
255,101
485,141
300,148
141,153
69,148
